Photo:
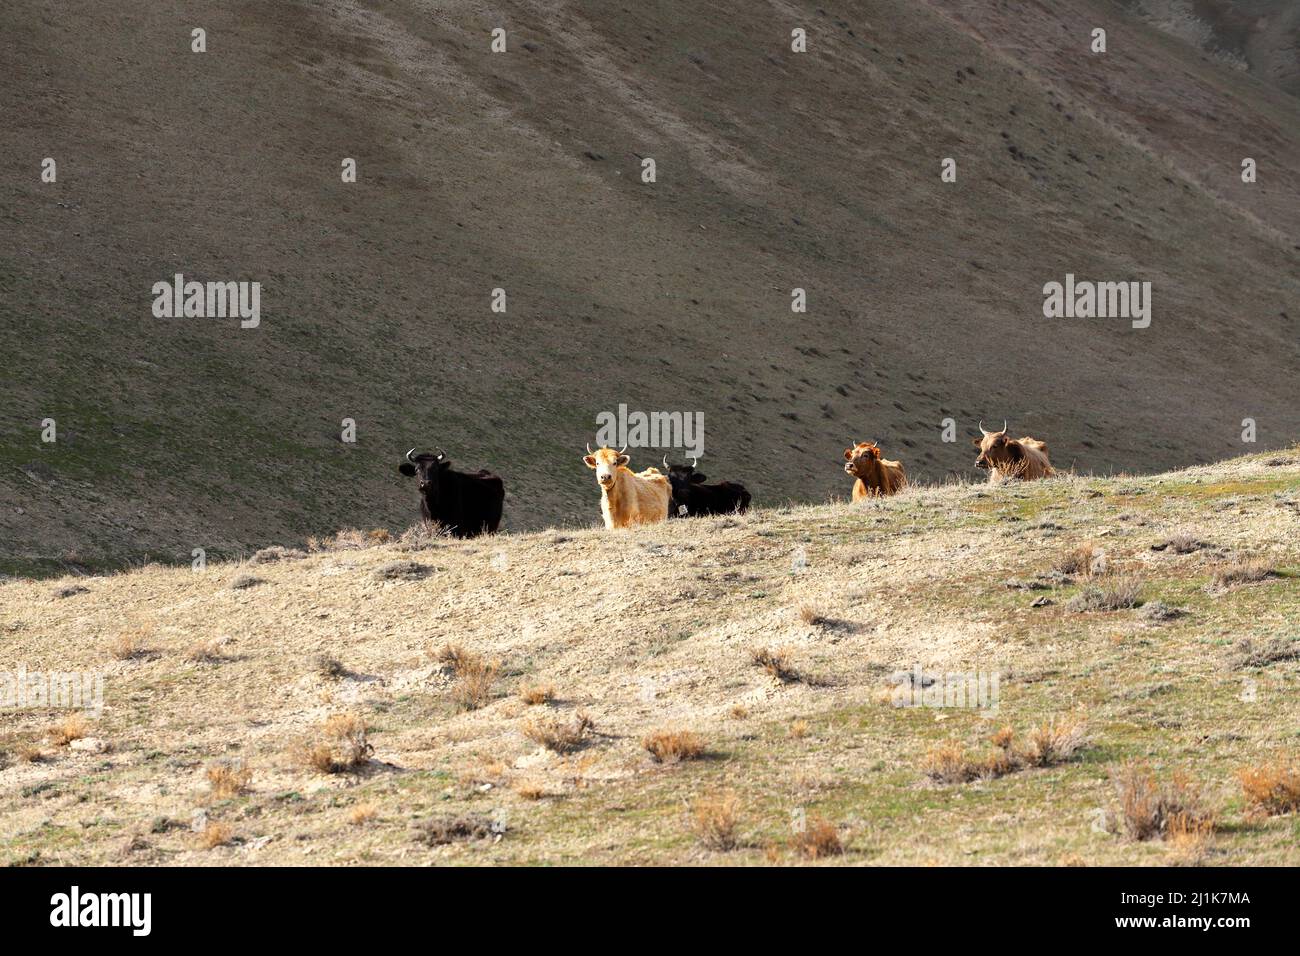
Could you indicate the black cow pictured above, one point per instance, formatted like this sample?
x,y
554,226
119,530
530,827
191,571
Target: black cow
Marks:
x,y
464,505
692,497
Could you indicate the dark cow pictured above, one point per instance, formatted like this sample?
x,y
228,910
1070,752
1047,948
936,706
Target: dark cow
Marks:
x,y
692,497
463,505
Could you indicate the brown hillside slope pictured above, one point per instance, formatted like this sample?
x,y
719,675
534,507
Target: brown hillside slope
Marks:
x,y
520,171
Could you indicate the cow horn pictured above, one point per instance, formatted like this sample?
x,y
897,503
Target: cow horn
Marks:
x,y
441,454
588,448
983,430
1004,424
694,461
665,461
410,455
622,450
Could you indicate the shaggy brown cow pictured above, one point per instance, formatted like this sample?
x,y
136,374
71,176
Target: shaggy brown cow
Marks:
x,y
628,499
1024,459
876,476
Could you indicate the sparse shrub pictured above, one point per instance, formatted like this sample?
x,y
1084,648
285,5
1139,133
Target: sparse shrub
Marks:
x,y
557,736
812,616
1084,561
129,644
215,834
227,779
330,667
1112,594
211,651
1242,571
739,711
70,728
714,819
529,790
276,553
441,830
402,571
1158,612
426,534
350,539
1251,654
1151,810
362,814
244,581
29,753
799,729
474,679
70,590
338,745
818,839
1180,544
673,746
1272,788
534,694
777,663
451,655
1055,741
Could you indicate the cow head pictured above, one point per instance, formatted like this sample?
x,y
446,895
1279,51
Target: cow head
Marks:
x,y
681,477
858,460
607,462
427,467
998,451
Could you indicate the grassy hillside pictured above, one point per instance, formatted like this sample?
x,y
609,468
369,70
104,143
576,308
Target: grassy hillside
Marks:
x,y
521,171
225,679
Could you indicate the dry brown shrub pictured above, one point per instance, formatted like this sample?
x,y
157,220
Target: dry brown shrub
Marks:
x,y
714,818
130,644
818,839
1150,809
229,779
70,728
534,694
673,746
1242,571
777,663
557,736
1271,788
362,814
338,745
215,834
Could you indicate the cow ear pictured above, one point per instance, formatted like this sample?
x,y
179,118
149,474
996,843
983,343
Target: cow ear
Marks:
x,y
407,469
624,459
697,478
848,454
977,442
444,463
591,461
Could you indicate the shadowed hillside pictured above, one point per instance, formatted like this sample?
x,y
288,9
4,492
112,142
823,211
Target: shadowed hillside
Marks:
x,y
521,171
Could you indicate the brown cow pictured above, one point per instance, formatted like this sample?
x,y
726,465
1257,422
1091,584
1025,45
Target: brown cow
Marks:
x,y
1024,459
876,476
628,499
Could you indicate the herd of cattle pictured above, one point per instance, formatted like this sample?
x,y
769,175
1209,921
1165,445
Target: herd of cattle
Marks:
x,y
466,505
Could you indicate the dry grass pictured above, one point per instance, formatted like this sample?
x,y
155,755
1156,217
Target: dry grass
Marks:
x,y
330,668
799,730
714,818
1271,788
529,790
818,839
673,746
1084,561
1150,809
1180,544
474,679
777,663
1055,741
350,539
558,736
812,616
229,779
215,834
532,694
362,814
130,644
1242,571
452,828
738,712
29,753
338,745
1112,593
70,728
210,651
